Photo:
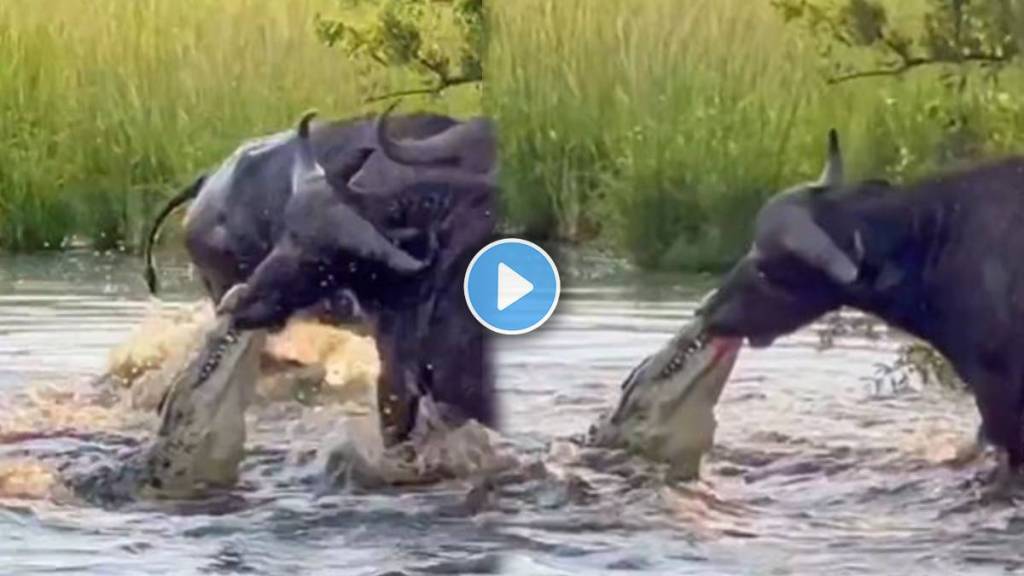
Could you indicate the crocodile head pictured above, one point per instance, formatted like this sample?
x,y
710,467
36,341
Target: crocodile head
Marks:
x,y
201,437
666,409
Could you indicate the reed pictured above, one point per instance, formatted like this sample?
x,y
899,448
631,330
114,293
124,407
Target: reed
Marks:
x,y
658,127
107,106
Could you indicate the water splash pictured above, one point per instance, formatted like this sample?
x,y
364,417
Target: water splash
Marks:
x,y
26,479
435,451
307,361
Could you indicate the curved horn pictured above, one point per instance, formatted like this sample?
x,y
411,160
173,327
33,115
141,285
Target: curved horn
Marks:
x,y
304,151
811,244
362,239
304,123
454,178
465,140
832,174
305,166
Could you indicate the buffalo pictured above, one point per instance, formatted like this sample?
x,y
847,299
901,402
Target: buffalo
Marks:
x,y
939,259
372,237
236,214
403,256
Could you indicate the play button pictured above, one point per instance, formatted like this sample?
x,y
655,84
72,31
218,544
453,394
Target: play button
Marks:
x,y
512,286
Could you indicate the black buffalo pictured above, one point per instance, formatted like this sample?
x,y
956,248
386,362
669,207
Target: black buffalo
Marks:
x,y
403,255
939,259
236,215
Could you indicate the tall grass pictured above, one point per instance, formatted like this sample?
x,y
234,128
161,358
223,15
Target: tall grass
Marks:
x,y
658,127
107,105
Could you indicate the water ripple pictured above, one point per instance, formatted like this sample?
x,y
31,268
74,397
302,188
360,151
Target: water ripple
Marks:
x,y
815,469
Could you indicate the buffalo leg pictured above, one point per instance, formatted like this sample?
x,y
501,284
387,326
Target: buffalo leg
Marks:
x,y
456,355
397,384
1000,410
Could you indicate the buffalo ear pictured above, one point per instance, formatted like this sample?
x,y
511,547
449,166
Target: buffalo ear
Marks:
x,y
832,174
804,238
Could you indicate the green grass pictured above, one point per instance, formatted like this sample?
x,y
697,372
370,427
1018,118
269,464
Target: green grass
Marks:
x,y
107,106
658,127
655,128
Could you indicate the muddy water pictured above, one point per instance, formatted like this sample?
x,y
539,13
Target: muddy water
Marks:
x,y
59,320
817,468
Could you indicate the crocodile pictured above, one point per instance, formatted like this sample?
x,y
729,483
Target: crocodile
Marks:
x,y
666,407
200,440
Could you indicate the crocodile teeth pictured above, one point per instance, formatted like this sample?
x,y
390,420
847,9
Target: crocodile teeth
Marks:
x,y
674,364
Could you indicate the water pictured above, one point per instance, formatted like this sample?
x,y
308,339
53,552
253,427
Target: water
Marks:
x,y
816,468
60,317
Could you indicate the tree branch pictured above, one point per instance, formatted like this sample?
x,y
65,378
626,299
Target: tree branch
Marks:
x,y
434,67
432,90
911,63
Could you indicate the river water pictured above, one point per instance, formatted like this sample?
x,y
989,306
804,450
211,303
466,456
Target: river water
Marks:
x,y
817,467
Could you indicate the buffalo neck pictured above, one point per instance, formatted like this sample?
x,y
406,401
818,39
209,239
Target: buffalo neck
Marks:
x,y
897,235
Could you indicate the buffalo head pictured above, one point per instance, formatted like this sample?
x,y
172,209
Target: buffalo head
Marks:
x,y
794,272
326,246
